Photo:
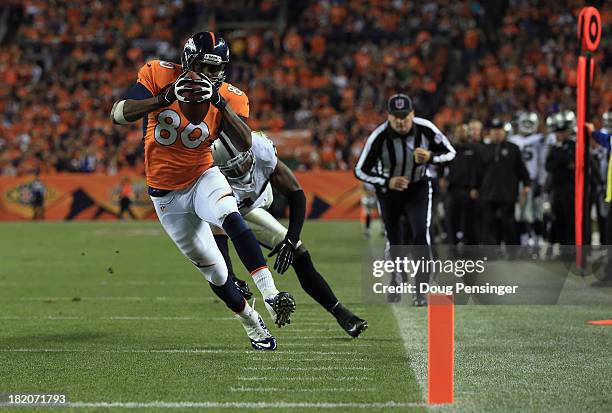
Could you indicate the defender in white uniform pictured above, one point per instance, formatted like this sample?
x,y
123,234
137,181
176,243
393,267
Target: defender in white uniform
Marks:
x,y
533,146
251,175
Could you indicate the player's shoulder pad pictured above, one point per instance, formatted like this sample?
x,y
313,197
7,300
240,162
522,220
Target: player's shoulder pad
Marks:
x,y
236,98
156,74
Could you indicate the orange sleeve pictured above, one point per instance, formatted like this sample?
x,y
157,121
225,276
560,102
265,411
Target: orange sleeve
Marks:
x,y
237,99
146,77
157,74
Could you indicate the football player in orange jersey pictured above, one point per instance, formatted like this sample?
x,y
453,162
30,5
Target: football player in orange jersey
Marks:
x,y
188,192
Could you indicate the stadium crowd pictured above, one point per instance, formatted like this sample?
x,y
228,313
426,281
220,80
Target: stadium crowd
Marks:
x,y
329,71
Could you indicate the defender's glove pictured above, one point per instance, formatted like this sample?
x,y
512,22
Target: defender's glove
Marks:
x,y
212,93
286,254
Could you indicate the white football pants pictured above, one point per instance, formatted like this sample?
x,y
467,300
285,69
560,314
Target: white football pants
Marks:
x,y
185,215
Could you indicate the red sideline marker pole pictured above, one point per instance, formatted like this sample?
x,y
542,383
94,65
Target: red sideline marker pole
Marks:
x,y
589,35
441,351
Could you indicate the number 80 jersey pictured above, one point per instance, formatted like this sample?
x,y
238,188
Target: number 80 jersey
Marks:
x,y
177,152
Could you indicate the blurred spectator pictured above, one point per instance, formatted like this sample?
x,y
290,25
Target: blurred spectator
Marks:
x,y
502,170
329,70
461,181
126,193
37,189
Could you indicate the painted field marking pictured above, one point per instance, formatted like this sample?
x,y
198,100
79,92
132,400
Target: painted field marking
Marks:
x,y
441,349
277,353
304,360
243,405
325,368
115,298
304,378
347,343
294,328
306,390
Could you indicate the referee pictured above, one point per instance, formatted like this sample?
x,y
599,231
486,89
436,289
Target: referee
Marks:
x,y
395,160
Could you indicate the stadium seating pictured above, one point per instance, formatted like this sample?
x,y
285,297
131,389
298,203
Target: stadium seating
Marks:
x,y
329,70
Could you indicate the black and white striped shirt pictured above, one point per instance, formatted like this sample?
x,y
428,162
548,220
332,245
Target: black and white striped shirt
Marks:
x,y
387,154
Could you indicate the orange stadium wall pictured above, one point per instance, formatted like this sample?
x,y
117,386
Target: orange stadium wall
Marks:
x,y
330,195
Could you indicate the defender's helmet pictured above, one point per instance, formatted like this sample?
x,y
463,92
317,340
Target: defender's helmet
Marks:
x,y
235,165
607,120
527,123
561,121
208,54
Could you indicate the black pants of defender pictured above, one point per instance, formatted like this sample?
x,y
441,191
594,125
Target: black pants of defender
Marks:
x,y
462,218
407,219
498,223
563,213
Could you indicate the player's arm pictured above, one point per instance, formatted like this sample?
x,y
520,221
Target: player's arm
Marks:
x,y
139,100
236,129
285,181
232,124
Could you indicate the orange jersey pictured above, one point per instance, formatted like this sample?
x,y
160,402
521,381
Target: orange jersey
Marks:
x,y
176,151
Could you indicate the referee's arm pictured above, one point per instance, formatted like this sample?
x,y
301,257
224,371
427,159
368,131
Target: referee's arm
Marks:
x,y
440,147
365,170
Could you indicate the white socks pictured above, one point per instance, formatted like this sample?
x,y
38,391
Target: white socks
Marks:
x,y
264,282
246,313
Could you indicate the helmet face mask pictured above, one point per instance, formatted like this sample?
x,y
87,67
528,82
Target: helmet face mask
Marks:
x,y
206,54
216,73
239,169
528,123
235,165
561,121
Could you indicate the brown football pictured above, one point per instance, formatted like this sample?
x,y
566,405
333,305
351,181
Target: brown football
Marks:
x,y
194,112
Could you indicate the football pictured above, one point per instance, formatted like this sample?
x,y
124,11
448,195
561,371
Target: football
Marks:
x,y
194,112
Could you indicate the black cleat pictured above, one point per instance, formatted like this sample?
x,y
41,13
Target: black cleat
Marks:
x,y
349,322
353,325
243,287
280,307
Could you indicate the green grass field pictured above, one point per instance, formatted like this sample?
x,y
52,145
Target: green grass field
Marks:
x,y
112,315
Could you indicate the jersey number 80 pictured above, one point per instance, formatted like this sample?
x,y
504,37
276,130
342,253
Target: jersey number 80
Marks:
x,y
169,121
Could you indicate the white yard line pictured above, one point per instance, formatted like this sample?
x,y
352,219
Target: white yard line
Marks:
x,y
138,318
304,378
325,368
99,283
310,360
294,328
40,318
113,298
306,390
243,405
414,336
342,343
278,354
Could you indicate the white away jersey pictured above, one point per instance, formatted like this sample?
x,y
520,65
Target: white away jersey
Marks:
x,y
258,192
533,150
